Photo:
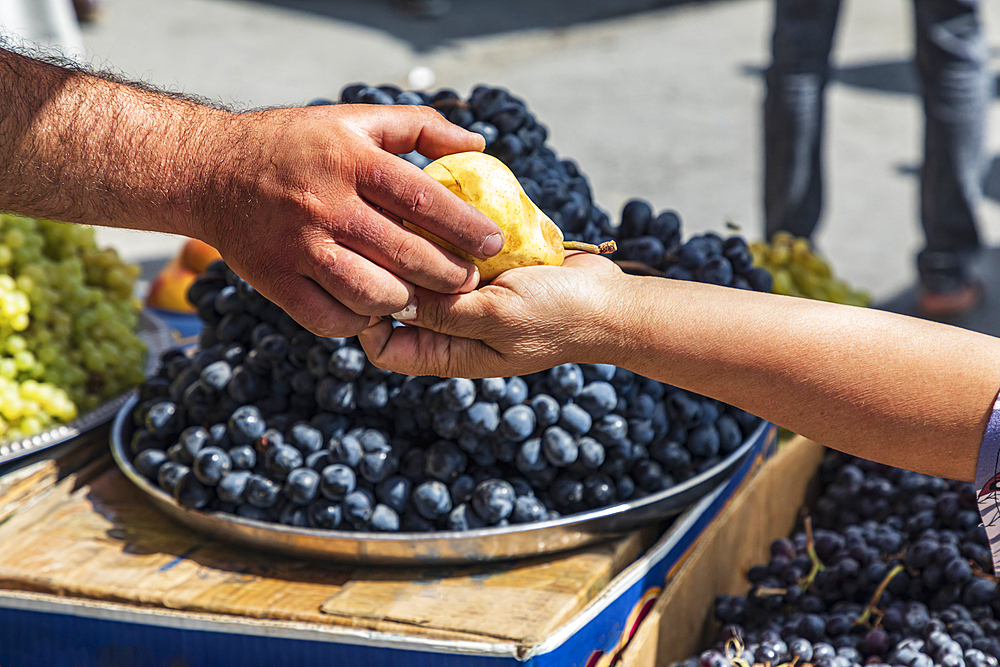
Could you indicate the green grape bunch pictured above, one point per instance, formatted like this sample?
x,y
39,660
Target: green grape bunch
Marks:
x,y
68,316
799,271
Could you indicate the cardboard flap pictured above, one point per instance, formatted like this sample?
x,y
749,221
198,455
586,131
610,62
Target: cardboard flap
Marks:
x,y
682,623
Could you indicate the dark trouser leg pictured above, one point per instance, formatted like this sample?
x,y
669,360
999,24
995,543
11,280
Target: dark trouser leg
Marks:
x,y
793,114
951,61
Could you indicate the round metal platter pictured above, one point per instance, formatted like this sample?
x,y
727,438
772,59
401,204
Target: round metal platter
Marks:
x,y
158,338
438,547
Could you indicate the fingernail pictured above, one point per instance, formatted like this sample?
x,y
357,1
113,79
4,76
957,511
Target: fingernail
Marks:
x,y
408,313
493,244
475,276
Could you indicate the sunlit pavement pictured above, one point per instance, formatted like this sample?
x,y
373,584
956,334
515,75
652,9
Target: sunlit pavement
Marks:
x,y
654,100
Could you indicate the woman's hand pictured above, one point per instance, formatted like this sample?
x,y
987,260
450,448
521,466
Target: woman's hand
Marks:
x,y
526,320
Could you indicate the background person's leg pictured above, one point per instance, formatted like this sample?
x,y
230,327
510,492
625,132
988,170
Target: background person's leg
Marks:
x,y
793,114
951,61
46,24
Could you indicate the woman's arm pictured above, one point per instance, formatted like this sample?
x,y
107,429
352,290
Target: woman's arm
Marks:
x,y
303,203
895,389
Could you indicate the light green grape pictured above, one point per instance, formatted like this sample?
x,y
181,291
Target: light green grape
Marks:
x,y
67,321
798,271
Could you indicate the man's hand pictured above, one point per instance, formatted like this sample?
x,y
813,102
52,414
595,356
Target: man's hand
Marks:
x,y
322,237
303,203
526,320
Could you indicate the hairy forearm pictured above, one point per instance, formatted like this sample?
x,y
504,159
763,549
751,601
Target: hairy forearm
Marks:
x,y
894,389
89,149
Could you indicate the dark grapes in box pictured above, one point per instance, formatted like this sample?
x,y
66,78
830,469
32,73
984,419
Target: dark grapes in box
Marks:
x,y
891,568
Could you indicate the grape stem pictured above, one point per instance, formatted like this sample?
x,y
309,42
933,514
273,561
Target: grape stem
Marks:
x,y
977,570
872,607
734,651
817,564
449,104
602,249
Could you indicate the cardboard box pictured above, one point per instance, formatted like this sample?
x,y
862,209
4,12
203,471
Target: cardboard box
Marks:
x,y
91,574
681,624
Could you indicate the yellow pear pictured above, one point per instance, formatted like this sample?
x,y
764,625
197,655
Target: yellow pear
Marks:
x,y
530,237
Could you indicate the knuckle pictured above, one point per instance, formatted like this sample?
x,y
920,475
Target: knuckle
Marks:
x,y
427,112
332,321
288,298
415,198
375,300
375,358
277,285
360,292
375,175
414,258
442,359
406,255
412,194
323,260
378,299
432,315
423,114
419,201
448,320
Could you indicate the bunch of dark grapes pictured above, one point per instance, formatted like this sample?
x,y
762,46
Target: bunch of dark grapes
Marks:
x,y
562,190
894,569
272,422
654,241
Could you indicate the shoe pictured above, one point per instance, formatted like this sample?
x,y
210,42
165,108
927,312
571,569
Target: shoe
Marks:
x,y
87,11
424,8
947,289
935,305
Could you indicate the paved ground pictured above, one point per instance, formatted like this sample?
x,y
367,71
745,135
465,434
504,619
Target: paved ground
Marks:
x,y
653,99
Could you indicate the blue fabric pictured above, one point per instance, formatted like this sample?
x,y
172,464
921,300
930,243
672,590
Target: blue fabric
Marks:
x,y
988,483
950,58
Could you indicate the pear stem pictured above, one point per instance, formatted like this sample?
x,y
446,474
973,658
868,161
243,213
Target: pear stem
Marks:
x,y
603,249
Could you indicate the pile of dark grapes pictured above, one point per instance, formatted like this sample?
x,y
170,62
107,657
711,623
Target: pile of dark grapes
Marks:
x,y
271,422
654,241
893,569
514,136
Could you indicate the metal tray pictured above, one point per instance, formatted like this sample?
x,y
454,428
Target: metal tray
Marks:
x,y
158,338
440,547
